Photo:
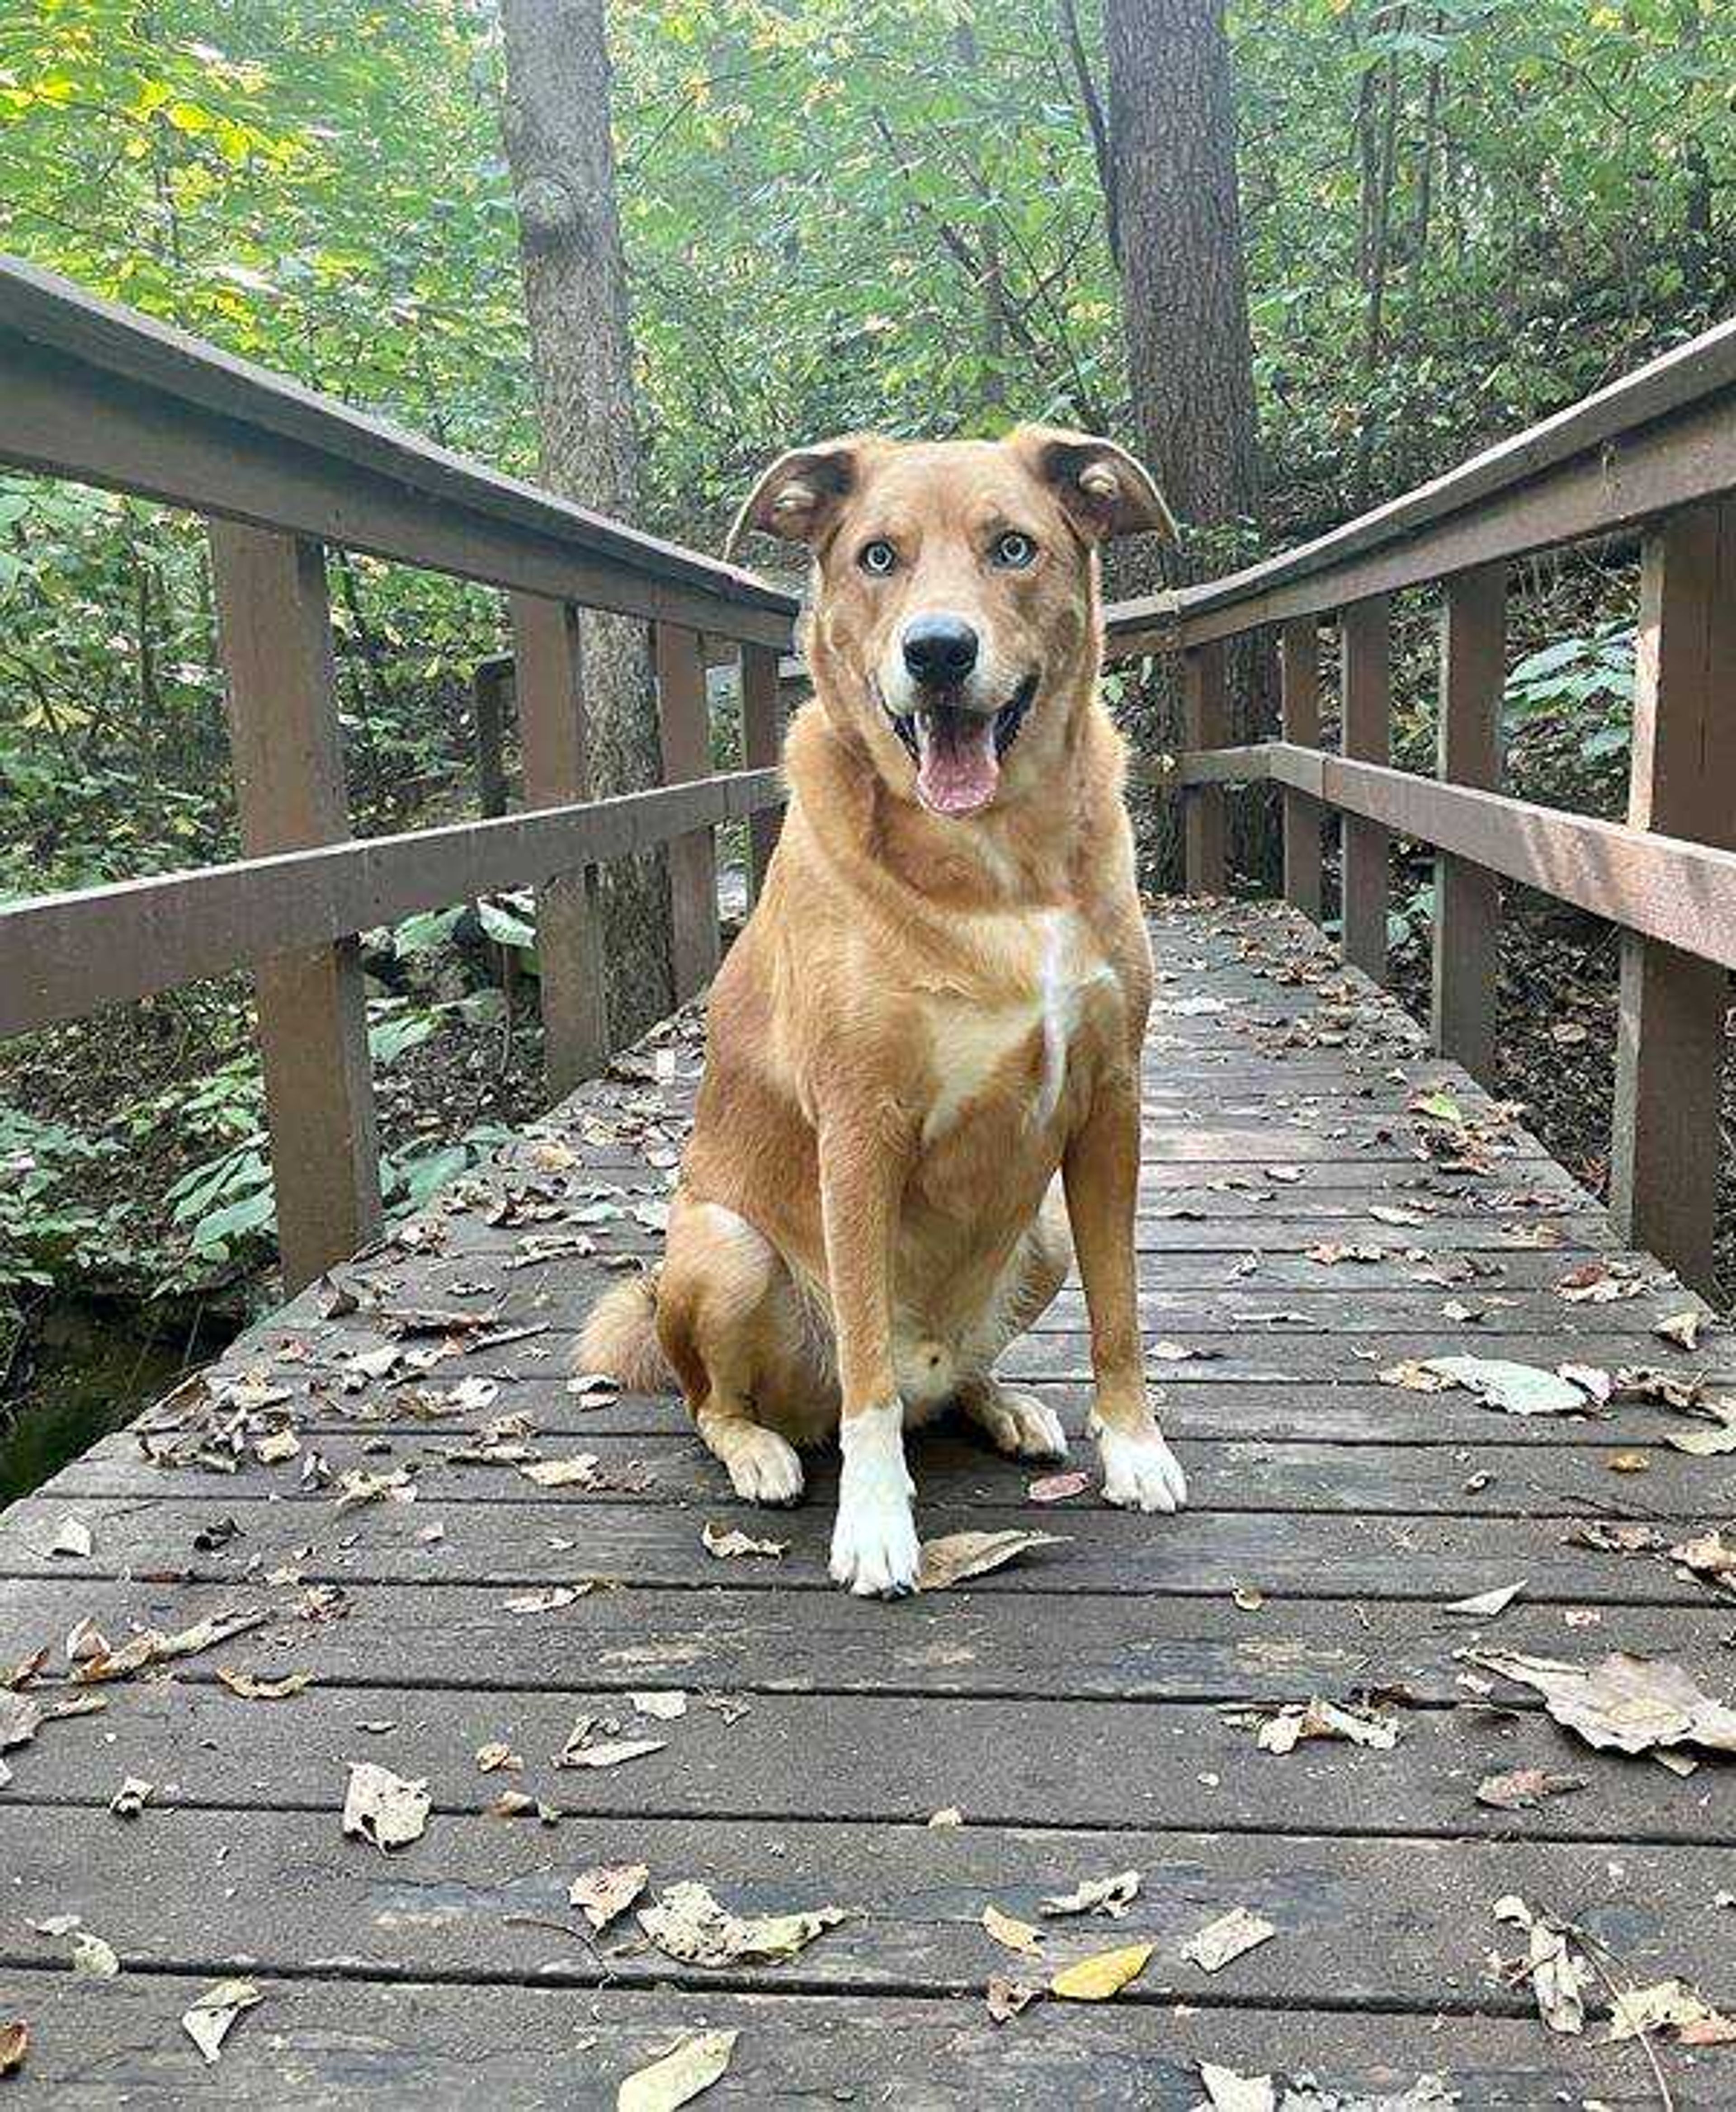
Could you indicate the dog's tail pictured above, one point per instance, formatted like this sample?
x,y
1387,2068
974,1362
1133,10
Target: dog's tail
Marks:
x,y
620,1337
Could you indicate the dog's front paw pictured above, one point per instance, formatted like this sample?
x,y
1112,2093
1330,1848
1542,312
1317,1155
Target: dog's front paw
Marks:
x,y
1139,1471
764,1467
875,1552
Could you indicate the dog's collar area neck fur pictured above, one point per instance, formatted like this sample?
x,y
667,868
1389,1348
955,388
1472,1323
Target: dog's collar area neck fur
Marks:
x,y
1008,720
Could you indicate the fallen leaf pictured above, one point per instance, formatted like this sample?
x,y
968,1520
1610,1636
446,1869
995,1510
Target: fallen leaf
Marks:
x,y
72,1538
1009,1931
207,2023
549,1601
663,1707
1227,1938
1007,1997
1514,1388
1106,1972
957,1555
1485,1605
612,1753
276,1446
91,1955
1558,1974
687,1923
15,2043
608,1890
1681,1328
1281,1730
726,1544
383,1808
580,1471
1109,1896
251,1688
947,1815
129,1799
1625,1703
1227,2091
1057,1488
1669,2006
680,2076
1523,1789
497,1757
150,1646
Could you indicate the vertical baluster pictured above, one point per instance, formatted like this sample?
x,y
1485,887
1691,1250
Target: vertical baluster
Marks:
x,y
761,739
686,724
1365,636
1205,721
274,620
1670,1035
1300,664
1467,906
549,679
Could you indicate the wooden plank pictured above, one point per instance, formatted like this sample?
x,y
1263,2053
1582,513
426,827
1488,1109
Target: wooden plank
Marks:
x,y
1466,942
489,681
550,683
1299,659
1404,1928
762,744
431,2039
435,1636
1670,1045
1681,893
1365,645
274,625
65,956
510,1547
1656,439
1205,721
685,720
97,391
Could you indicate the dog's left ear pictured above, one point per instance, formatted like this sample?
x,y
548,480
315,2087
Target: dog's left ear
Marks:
x,y
1104,491
799,495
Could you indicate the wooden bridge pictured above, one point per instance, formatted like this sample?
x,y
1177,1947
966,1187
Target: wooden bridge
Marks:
x,y
386,1528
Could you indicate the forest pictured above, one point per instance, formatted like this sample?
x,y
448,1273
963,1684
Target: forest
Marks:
x,y
1447,219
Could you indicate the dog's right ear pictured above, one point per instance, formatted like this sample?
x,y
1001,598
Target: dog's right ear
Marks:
x,y
799,495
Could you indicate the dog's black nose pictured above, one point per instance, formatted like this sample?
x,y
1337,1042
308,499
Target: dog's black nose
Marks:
x,y
940,649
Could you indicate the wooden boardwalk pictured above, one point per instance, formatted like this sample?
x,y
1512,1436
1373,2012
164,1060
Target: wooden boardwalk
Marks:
x,y
1076,1710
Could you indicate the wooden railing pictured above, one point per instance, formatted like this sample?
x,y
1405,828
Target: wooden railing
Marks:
x,y
97,394
1654,456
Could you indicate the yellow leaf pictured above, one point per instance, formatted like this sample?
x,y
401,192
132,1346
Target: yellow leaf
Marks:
x,y
1015,1935
1095,1979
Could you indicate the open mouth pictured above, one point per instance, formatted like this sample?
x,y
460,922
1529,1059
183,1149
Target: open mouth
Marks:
x,y
957,751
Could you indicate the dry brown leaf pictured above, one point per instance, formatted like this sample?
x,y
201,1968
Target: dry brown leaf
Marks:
x,y
384,1808
728,1544
688,1923
1523,1789
15,2043
1671,2005
1096,1978
152,1647
679,2076
612,1753
251,1688
1558,1974
608,1890
956,1556
1007,1997
1281,1730
497,1757
1009,1931
580,1471
1622,1703
1110,1895
207,2023
664,1706
1681,1328
1057,1488
1228,1938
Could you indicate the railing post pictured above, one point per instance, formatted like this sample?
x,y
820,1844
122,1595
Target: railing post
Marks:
x,y
1365,640
274,620
1467,897
1205,723
1670,1033
762,739
549,679
1299,659
686,724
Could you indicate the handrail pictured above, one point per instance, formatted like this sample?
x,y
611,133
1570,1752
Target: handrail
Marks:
x,y
1660,437
97,392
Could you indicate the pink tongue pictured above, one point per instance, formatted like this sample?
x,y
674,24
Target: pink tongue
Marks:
x,y
958,770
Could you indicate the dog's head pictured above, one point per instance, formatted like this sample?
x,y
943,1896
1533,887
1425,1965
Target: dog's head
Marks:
x,y
954,623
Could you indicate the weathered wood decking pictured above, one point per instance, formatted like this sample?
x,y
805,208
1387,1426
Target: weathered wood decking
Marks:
x,y
1071,1708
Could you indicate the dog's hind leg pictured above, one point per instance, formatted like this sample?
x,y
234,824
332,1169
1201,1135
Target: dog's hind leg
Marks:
x,y
1015,1422
718,1302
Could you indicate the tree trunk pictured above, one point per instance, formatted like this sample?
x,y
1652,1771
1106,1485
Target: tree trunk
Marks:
x,y
561,156
1178,228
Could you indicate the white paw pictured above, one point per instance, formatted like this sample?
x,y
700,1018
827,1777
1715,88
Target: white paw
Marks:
x,y
764,1467
1139,1471
1020,1424
875,1552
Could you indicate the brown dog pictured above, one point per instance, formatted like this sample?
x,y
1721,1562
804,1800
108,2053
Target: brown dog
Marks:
x,y
937,1004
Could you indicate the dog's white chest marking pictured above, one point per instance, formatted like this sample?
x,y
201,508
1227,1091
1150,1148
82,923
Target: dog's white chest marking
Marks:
x,y
971,1041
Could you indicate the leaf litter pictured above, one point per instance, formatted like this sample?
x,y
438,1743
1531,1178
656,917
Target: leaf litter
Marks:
x,y
1229,1937
688,1923
384,1808
605,1892
208,2021
1622,1703
678,2075
955,1556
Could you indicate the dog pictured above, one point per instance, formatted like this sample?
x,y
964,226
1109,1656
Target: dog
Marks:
x,y
922,1071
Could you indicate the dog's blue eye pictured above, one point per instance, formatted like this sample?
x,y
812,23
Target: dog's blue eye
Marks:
x,y
1013,551
879,558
